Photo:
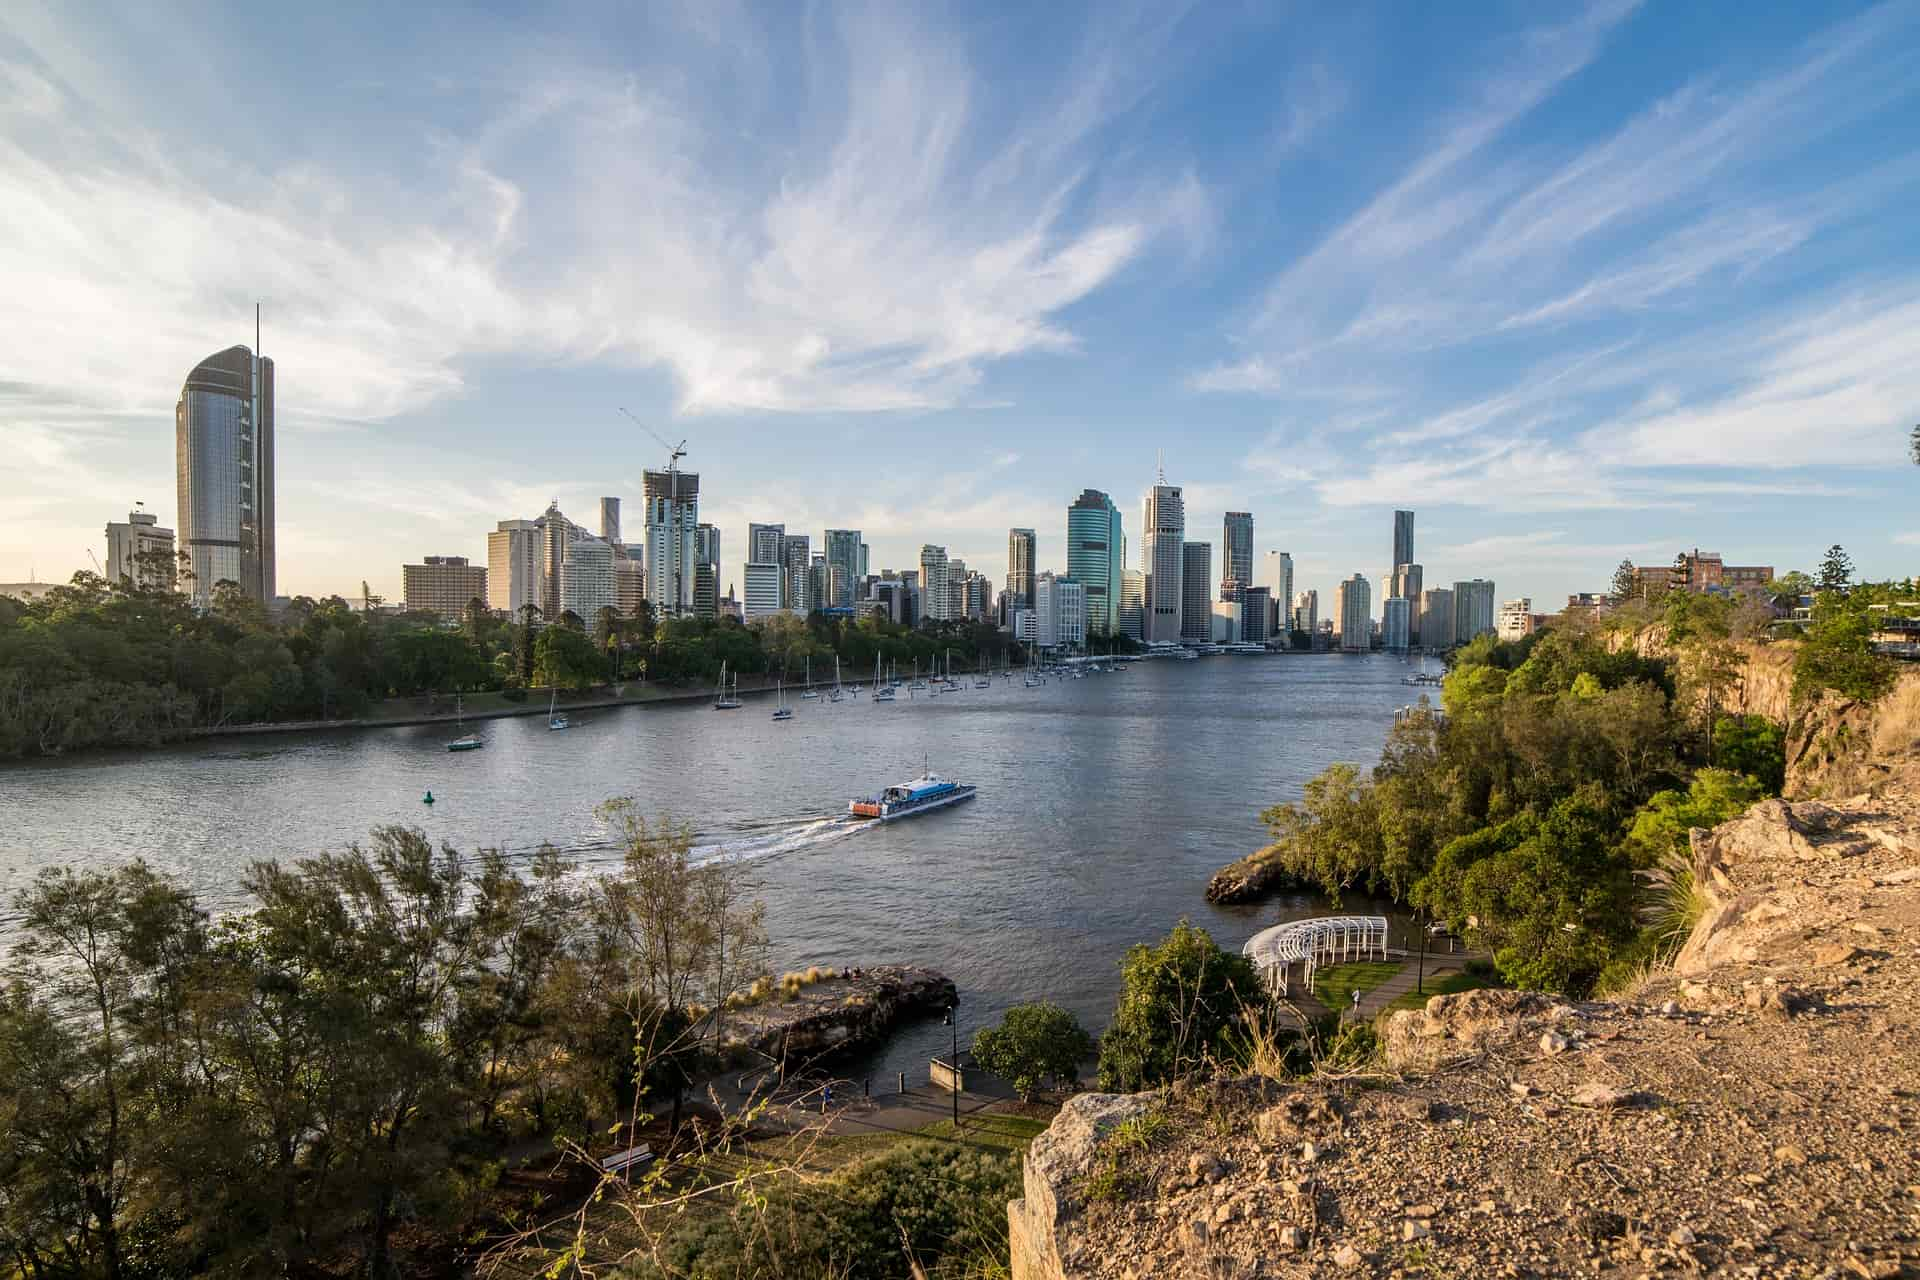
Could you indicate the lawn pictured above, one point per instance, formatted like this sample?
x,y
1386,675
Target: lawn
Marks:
x,y
1440,985
1335,984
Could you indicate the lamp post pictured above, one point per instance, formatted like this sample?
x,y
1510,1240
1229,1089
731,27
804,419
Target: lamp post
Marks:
x,y
953,1063
1420,977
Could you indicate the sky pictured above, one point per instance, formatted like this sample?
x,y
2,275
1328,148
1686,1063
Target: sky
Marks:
x,y
1576,284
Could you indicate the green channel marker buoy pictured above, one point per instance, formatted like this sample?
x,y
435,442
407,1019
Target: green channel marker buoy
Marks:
x,y
427,798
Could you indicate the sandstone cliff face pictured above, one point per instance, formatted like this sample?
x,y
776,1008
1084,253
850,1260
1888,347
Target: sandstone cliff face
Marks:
x,y
1753,1112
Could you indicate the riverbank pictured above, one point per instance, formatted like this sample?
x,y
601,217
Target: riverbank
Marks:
x,y
1252,878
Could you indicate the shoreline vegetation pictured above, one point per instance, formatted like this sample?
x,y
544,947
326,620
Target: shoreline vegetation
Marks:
x,y
115,664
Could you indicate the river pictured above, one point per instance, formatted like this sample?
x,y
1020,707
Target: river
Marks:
x,y
1105,803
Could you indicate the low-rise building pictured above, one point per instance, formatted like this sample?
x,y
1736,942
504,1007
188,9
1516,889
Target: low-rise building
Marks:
x,y
140,552
1515,619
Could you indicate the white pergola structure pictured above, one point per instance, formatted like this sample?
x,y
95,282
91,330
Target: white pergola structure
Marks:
x,y
1312,943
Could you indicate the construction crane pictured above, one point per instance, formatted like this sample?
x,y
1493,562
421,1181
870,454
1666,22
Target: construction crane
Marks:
x,y
675,452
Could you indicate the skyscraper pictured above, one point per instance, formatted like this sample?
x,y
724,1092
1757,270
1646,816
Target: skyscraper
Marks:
x,y
1436,618
1133,604
761,588
223,453
610,521
1353,614
442,584
706,573
796,553
516,568
1097,558
673,513
586,578
1196,603
1472,609
556,531
1406,586
1163,530
1306,612
1236,553
843,564
766,543
1396,623
933,582
1021,547
1277,578
1402,538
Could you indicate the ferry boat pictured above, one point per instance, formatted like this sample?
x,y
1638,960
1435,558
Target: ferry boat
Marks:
x,y
903,800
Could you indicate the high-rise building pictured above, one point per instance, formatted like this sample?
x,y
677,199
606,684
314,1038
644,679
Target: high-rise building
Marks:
x,y
761,587
957,574
1306,612
1097,558
1196,601
1402,537
673,514
586,578
556,533
864,573
1059,612
1472,609
1256,616
223,452
979,597
796,552
767,543
1276,576
442,584
1436,618
1396,624
819,582
1133,604
706,571
1353,614
1236,553
1163,531
843,560
516,567
629,585
140,552
610,521
1021,549
933,581
1406,586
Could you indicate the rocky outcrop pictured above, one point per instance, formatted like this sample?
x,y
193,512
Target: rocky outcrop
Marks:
x,y
1252,877
839,1013
1753,1112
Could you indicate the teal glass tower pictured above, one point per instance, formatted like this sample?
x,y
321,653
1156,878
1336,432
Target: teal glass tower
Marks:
x,y
1097,557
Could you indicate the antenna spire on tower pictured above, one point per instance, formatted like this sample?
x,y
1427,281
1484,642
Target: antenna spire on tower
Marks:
x,y
1160,464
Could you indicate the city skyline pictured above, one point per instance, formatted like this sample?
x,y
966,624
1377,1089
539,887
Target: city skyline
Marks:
x,y
1657,306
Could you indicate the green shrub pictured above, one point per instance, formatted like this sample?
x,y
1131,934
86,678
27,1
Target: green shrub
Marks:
x,y
1033,1043
1179,1006
1755,746
945,1203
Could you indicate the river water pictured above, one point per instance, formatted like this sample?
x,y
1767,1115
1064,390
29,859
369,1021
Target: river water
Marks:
x,y
1105,803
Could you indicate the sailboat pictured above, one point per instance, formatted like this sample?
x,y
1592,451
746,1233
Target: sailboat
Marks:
x,y
918,683
556,719
882,692
783,711
811,691
726,699
833,694
982,673
466,741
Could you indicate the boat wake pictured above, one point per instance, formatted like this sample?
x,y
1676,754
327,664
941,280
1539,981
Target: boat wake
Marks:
x,y
779,838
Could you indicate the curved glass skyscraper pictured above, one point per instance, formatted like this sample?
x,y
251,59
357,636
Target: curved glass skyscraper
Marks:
x,y
223,447
1097,558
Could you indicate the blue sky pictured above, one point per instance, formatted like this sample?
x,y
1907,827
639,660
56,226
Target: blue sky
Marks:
x,y
1573,283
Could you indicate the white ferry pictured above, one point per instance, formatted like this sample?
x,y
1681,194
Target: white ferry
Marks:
x,y
926,792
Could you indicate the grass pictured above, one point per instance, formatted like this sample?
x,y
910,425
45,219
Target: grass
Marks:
x,y
1334,985
1444,984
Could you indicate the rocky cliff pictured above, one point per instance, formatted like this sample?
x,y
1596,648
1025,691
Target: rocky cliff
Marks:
x,y
1755,1111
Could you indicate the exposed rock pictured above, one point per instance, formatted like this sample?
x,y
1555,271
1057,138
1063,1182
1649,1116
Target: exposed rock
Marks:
x,y
1252,878
840,1013
1601,1096
1346,1257
1552,1042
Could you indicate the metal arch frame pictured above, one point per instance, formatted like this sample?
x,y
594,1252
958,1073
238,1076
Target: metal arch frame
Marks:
x,y
1312,943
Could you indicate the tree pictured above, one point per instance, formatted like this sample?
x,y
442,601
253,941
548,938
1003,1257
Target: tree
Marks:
x,y
564,658
1032,1044
1755,746
1836,570
1785,591
1178,1005
1836,651
1623,588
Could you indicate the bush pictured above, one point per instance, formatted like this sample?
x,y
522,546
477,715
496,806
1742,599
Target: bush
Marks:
x,y
946,1205
1032,1044
1837,652
1178,1008
1755,746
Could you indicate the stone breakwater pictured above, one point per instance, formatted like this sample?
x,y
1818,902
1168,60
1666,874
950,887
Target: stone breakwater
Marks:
x,y
839,1013
1754,1111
